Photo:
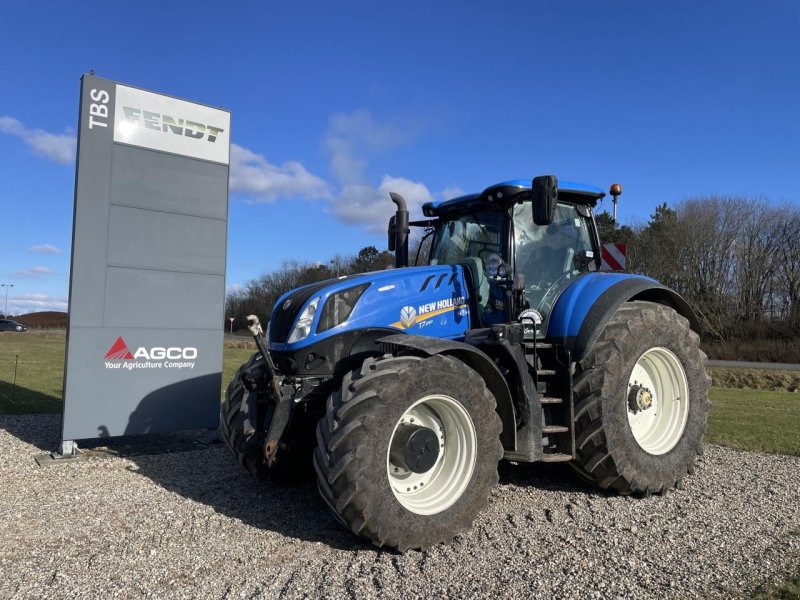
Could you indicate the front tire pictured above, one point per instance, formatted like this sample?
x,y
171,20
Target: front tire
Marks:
x,y
241,437
641,402
408,450
246,438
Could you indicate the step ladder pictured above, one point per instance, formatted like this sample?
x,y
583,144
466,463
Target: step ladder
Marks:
x,y
553,379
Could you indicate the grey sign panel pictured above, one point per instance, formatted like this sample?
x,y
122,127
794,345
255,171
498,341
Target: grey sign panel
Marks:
x,y
147,285
163,299
148,239
168,183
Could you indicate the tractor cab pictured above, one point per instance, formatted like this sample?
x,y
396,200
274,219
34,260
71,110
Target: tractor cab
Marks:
x,y
520,247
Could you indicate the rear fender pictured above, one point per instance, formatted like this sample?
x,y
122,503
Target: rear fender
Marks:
x,y
476,360
582,311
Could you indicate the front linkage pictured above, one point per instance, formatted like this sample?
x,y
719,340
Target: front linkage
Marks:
x,y
283,394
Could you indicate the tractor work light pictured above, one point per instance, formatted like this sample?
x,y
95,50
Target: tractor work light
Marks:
x,y
303,325
339,306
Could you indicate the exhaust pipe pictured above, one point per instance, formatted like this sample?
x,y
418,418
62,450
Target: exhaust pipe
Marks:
x,y
401,231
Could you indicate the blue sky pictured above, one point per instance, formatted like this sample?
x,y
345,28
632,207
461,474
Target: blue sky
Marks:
x,y
334,104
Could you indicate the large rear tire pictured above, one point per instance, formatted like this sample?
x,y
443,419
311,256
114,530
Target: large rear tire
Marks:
x,y
641,395
407,453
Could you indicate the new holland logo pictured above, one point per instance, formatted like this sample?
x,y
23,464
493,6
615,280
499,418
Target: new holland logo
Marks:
x,y
408,317
157,357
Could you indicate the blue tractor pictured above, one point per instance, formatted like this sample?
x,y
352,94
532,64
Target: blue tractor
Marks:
x,y
406,387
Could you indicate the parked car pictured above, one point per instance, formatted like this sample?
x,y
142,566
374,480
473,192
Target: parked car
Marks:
x,y
9,325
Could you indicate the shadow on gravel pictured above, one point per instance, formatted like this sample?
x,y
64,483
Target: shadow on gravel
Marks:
x,y
546,476
41,431
209,475
213,477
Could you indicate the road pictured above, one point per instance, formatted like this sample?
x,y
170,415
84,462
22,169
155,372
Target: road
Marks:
x,y
741,364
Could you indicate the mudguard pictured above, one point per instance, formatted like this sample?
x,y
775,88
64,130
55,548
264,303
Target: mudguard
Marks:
x,y
583,309
475,359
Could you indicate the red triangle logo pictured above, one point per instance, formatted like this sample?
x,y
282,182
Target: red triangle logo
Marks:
x,y
119,351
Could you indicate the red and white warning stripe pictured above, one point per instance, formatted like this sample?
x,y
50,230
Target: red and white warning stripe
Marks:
x,y
613,257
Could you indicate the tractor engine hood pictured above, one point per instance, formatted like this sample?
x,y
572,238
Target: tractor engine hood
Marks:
x,y
429,300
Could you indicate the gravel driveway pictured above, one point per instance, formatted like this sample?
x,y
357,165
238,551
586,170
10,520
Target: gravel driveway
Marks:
x,y
194,524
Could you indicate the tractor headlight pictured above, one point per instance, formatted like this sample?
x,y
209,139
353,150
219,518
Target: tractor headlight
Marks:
x,y
338,307
303,325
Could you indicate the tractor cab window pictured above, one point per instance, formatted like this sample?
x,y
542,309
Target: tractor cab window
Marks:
x,y
470,239
470,235
551,256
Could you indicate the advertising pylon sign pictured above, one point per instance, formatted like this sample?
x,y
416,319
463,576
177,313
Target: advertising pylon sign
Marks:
x,y
147,282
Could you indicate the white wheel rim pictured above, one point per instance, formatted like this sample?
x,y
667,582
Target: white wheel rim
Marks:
x,y
659,373
442,485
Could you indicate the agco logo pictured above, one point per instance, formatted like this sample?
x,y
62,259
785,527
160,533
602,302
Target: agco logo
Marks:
x,y
119,356
146,119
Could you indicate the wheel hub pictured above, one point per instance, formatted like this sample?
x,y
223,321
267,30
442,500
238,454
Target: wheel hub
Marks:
x,y
639,398
658,401
432,454
414,448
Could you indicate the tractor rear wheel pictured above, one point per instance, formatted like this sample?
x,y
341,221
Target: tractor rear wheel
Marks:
x,y
641,401
407,453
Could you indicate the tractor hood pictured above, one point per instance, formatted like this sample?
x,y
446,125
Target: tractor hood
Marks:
x,y
429,300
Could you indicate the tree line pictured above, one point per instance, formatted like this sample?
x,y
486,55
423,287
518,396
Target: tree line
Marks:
x,y
258,296
735,260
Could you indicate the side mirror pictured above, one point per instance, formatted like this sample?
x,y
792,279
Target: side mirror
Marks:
x,y
545,198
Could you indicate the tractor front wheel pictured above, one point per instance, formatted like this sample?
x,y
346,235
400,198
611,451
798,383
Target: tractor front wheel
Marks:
x,y
245,435
408,450
641,395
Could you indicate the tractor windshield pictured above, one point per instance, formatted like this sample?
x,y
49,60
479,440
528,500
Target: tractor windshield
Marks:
x,y
551,256
470,235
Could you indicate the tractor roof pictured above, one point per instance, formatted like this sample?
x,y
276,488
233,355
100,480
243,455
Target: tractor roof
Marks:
x,y
568,191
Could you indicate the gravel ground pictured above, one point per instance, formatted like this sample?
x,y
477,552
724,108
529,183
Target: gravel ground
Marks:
x,y
194,524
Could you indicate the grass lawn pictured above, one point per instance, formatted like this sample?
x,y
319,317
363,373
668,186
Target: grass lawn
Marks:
x,y
758,420
38,358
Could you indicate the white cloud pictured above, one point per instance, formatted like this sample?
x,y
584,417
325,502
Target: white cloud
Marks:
x,y
251,174
45,249
365,205
348,139
33,273
37,302
59,147
350,136
451,191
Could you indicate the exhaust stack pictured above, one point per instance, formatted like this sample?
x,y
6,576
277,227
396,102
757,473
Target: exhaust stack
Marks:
x,y
399,231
